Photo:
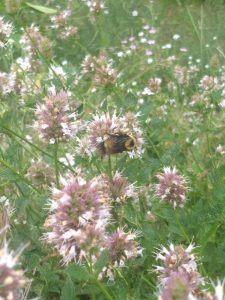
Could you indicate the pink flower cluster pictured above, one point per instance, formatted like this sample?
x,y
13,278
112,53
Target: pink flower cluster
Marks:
x,y
12,6
118,187
178,274
11,280
79,215
35,44
40,173
172,187
77,224
61,23
101,68
54,120
6,29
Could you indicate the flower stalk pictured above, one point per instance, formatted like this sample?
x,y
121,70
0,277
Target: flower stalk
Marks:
x,y
56,146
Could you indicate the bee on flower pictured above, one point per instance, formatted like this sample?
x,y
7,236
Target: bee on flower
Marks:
x,y
109,135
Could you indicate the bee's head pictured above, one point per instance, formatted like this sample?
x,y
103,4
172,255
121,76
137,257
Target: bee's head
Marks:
x,y
130,143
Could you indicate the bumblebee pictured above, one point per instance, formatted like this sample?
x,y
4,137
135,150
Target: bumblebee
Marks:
x,y
117,143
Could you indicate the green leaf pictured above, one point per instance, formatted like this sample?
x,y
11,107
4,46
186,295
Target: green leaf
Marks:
x,y
8,175
68,292
77,272
42,9
80,109
102,261
38,288
208,234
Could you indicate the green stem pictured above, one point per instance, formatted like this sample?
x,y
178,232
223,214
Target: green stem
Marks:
x,y
47,62
181,228
10,132
193,23
109,167
56,146
11,168
154,148
178,2
90,267
149,283
97,166
103,289
93,295
96,281
32,153
201,30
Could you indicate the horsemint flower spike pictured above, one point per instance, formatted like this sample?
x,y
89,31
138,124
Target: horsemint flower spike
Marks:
x,y
122,246
54,121
177,286
79,215
6,29
12,6
172,187
40,173
178,259
217,295
11,280
118,187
